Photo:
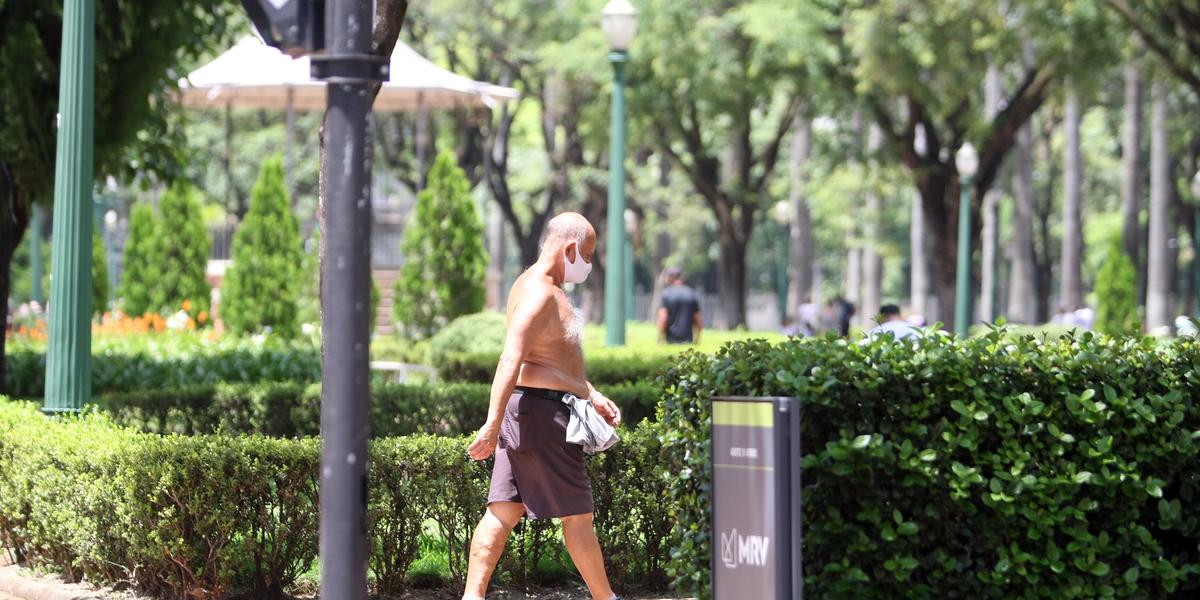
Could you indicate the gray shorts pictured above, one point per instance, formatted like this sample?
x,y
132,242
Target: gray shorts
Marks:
x,y
534,463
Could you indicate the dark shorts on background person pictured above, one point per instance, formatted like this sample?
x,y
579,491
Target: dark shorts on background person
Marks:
x,y
534,463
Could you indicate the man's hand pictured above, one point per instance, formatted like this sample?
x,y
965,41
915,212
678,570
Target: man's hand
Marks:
x,y
485,442
605,408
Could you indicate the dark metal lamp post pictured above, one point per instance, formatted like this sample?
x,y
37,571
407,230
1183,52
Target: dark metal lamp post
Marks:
x,y
967,162
620,24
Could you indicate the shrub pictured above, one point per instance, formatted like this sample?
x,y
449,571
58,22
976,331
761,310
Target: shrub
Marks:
x,y
208,515
1116,291
99,273
183,254
480,333
261,288
141,270
605,370
168,362
286,409
994,467
444,258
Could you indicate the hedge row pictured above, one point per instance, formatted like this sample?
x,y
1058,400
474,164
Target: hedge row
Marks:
x,y
281,409
249,363
625,366
998,467
190,516
120,371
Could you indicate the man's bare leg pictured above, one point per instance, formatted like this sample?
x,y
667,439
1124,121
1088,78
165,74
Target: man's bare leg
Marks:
x,y
488,544
580,536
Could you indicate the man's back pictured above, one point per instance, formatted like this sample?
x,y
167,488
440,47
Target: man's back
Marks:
x,y
681,304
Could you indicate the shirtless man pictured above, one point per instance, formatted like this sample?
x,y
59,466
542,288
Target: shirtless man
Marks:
x,y
537,473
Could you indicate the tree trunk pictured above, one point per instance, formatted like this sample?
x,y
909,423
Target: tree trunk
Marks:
x,y
1071,267
852,281
1022,274
800,264
918,239
939,201
14,220
989,278
1159,301
1131,164
731,273
872,261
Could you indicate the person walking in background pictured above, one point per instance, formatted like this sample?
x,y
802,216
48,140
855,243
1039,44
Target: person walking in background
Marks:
x,y
891,323
842,310
679,319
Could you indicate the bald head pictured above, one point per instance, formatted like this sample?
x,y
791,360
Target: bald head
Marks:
x,y
568,228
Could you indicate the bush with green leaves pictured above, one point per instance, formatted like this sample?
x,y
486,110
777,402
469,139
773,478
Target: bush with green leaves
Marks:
x,y
1116,292
479,333
995,467
261,288
173,361
287,409
99,273
183,258
209,515
444,259
142,268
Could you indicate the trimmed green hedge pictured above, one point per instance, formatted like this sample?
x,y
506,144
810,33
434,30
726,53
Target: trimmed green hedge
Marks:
x,y
114,371
604,370
997,467
281,409
212,514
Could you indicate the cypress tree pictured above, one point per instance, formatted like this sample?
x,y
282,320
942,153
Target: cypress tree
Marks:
x,y
1116,292
184,254
262,286
143,262
99,274
444,257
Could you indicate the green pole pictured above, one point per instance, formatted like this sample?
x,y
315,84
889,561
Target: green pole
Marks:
x,y
614,294
781,270
68,360
35,257
962,293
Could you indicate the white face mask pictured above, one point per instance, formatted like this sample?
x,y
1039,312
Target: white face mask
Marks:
x,y
575,272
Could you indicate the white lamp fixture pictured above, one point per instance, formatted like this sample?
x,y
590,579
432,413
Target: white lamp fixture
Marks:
x,y
782,212
631,221
920,145
967,160
619,22
1196,187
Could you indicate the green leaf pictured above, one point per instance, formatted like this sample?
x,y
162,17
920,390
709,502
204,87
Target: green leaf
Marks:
x,y
1083,477
1131,575
928,455
861,442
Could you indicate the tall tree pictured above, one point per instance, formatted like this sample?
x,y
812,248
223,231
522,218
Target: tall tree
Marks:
x,y
139,45
183,257
1159,299
1023,269
921,64
1170,29
262,286
719,97
1071,266
989,278
143,259
1131,158
800,267
872,259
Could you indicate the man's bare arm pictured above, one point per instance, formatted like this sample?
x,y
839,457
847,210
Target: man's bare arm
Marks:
x,y
522,327
697,325
662,324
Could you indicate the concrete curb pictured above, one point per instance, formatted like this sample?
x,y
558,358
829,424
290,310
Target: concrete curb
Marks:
x,y
13,583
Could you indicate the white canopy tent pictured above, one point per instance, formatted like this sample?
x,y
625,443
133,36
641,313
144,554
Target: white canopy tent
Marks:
x,y
254,75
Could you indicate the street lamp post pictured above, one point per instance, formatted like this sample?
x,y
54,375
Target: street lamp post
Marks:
x,y
1196,242
619,23
68,357
967,162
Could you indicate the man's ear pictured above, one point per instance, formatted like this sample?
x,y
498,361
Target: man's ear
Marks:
x,y
572,250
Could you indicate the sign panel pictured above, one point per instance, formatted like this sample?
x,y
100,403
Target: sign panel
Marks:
x,y
751,487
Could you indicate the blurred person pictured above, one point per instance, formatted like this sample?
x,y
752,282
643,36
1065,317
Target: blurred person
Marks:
x,y
890,322
842,310
809,317
679,320
537,474
789,327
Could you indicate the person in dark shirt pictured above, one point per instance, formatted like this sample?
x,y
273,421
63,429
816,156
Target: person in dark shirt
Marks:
x,y
679,319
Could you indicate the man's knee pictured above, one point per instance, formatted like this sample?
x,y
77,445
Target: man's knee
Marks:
x,y
584,520
508,514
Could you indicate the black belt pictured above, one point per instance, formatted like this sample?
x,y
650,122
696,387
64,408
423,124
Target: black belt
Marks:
x,y
552,395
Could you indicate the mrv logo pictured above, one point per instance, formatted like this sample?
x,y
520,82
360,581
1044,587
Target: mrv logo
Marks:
x,y
749,550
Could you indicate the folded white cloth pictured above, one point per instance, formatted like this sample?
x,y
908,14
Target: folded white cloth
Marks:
x,y
587,427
